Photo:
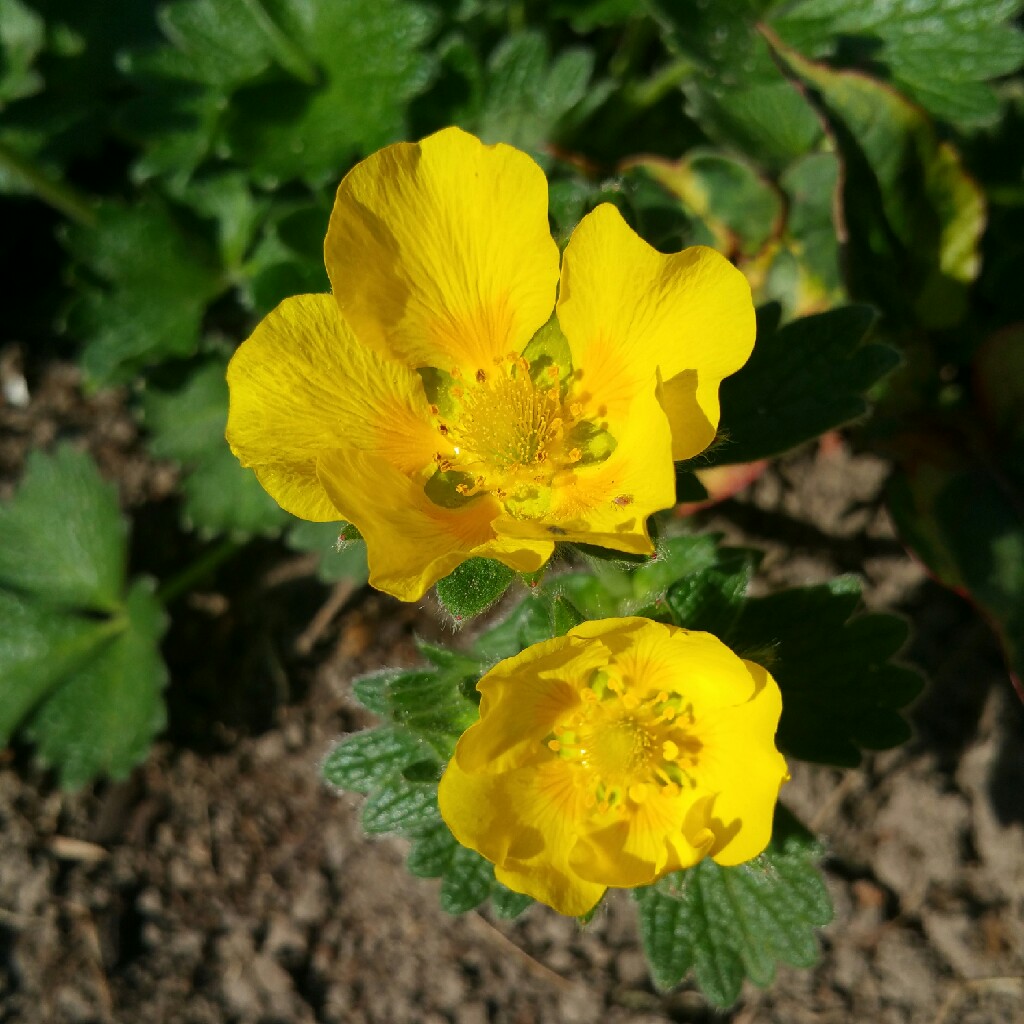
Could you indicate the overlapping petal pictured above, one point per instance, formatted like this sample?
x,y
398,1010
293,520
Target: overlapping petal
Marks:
x,y
630,312
439,252
302,385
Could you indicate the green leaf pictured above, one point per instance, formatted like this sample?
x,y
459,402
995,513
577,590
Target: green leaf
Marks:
x,y
736,92
527,93
363,760
63,534
367,59
371,690
400,806
913,216
727,923
433,850
104,717
339,559
712,599
187,425
467,882
39,647
22,36
528,623
154,281
738,209
980,553
840,692
473,587
941,54
508,904
804,379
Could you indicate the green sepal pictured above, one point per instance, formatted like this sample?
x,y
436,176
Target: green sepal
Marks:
x,y
727,923
473,587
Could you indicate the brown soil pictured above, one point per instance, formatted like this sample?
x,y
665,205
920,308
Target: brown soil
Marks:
x,y
224,883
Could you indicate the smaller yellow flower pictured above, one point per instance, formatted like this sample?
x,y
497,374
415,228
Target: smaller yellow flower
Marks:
x,y
612,756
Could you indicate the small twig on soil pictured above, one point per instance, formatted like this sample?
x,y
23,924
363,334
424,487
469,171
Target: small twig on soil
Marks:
x,y
66,848
296,568
831,803
485,928
1007,984
91,940
337,600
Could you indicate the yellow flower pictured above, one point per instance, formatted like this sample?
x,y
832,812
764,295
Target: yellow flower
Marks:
x,y
434,400
613,755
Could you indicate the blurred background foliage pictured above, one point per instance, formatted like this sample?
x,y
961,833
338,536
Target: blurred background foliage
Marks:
x,y
167,170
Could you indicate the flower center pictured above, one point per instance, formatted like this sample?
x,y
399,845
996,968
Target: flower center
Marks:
x,y
626,745
513,431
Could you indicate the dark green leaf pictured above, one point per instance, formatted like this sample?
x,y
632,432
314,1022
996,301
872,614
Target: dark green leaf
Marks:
x,y
804,379
156,280
528,623
22,35
980,553
941,54
400,806
473,587
371,690
366,759
712,599
187,425
840,693
467,882
63,534
105,716
728,923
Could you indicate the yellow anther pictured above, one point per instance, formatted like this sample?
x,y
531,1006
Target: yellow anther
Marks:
x,y
639,792
630,701
576,410
575,455
669,750
589,696
554,745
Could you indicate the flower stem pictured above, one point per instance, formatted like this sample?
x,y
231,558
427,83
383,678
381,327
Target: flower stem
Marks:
x,y
197,571
56,193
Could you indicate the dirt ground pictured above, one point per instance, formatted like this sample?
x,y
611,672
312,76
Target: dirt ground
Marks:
x,y
223,883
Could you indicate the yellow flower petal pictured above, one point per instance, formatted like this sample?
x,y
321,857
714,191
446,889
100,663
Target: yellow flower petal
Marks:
x,y
524,823
411,542
613,755
740,763
629,311
439,253
302,385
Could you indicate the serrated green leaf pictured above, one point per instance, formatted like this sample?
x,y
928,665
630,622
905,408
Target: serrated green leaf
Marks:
x,y
63,534
473,587
447,660
736,92
104,717
363,760
367,58
187,425
508,904
840,693
39,647
432,851
527,93
712,599
371,690
726,923
434,706
939,53
804,379
339,560
155,281
467,882
400,806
